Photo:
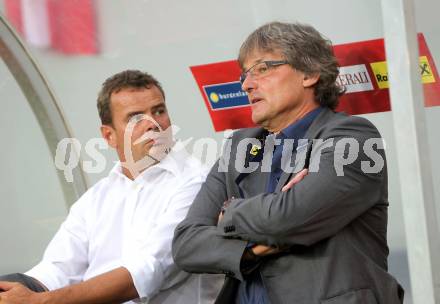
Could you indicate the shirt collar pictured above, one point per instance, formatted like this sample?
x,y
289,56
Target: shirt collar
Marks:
x,y
298,129
173,162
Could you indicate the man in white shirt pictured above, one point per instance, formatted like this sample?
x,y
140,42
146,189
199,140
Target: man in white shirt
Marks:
x,y
115,245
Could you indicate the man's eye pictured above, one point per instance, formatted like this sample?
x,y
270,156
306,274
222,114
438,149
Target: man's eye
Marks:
x,y
159,112
262,69
137,118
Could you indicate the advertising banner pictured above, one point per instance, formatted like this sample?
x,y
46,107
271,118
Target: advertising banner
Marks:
x,y
363,73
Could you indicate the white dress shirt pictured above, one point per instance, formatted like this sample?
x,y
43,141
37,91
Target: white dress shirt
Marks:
x,y
130,223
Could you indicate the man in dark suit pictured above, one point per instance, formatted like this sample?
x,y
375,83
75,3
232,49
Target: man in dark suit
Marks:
x,y
293,212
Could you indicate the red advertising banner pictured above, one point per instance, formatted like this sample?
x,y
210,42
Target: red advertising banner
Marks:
x,y
363,72
235,113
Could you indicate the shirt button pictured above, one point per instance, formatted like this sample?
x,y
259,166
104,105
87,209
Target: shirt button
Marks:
x,y
136,186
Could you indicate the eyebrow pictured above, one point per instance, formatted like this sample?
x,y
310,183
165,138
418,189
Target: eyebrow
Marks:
x,y
254,63
134,113
160,105
155,107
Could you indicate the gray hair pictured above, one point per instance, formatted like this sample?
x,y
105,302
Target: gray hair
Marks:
x,y
305,49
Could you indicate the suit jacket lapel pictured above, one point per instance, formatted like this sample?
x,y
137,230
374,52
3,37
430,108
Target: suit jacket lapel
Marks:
x,y
248,183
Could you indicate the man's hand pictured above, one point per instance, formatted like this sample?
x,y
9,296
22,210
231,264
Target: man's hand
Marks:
x,y
296,179
225,205
220,217
115,286
263,250
16,293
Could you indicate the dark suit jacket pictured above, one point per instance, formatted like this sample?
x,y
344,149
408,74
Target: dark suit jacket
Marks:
x,y
332,227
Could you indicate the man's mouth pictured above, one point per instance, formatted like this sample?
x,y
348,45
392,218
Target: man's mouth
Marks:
x,y
255,100
150,142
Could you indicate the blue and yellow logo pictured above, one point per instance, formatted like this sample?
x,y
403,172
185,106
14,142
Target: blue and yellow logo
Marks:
x,y
226,95
213,97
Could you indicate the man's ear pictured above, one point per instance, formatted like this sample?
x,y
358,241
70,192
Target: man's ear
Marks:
x,y
310,80
109,134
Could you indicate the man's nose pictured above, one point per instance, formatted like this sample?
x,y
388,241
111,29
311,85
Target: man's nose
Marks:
x,y
248,84
149,124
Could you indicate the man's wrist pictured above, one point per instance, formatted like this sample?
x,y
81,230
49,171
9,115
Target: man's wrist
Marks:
x,y
42,298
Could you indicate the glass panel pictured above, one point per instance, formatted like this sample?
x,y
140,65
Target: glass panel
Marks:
x,y
426,14
32,204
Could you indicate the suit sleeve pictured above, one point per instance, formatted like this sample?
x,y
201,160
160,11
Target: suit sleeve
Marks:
x,y
197,247
323,203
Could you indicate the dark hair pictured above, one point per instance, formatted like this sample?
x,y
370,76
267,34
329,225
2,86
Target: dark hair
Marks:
x,y
123,80
305,49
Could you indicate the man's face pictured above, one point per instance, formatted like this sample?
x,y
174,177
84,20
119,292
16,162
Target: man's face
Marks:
x,y
277,95
138,113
